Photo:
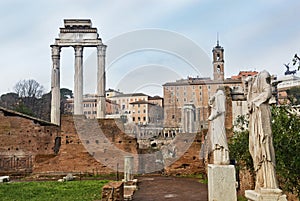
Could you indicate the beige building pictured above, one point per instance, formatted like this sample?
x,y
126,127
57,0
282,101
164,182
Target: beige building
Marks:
x,y
193,95
90,106
139,108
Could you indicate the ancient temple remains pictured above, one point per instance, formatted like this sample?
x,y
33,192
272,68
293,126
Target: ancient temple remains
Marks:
x,y
77,33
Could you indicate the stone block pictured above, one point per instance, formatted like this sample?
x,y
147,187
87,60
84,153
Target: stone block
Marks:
x,y
265,195
113,191
221,183
4,179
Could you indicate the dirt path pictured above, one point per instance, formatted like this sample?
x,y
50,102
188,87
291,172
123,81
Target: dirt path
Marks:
x,y
158,188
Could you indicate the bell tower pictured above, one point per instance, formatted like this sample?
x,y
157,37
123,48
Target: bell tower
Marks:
x,y
218,62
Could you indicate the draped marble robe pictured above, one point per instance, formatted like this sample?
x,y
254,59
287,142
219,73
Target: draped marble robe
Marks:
x,y
260,131
218,139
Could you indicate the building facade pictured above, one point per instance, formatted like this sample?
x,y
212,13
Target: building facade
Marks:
x,y
285,83
90,106
192,94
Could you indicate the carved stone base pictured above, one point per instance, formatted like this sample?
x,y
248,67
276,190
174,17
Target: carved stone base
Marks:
x,y
221,183
265,195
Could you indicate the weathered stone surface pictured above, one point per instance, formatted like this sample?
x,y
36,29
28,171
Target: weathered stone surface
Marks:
x,y
4,179
74,157
189,162
23,140
113,191
77,33
265,195
221,183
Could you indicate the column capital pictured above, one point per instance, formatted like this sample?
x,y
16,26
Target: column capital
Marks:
x,y
55,49
78,50
101,50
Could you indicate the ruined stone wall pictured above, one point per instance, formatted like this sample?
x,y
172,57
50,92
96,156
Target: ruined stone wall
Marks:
x,y
189,162
73,155
113,191
23,140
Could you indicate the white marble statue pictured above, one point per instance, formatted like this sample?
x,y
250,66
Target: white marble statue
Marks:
x,y
260,131
218,139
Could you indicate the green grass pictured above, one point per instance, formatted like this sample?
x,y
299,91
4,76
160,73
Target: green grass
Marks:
x,y
52,190
242,198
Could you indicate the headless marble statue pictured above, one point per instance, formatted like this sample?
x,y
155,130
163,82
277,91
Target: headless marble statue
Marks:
x,y
218,139
260,131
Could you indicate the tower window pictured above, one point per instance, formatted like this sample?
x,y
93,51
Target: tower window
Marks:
x,y
218,69
218,56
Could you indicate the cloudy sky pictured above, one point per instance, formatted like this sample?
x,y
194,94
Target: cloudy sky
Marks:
x,y
256,35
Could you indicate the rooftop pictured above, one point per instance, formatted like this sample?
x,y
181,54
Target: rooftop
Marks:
x,y
129,95
201,81
141,102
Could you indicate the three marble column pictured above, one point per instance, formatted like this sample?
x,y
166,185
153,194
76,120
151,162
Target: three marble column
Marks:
x,y
78,82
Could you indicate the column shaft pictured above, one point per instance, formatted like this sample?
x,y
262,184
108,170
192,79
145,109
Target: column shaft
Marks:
x,y
101,81
55,85
78,81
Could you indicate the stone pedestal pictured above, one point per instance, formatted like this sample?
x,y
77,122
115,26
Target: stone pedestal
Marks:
x,y
221,183
265,195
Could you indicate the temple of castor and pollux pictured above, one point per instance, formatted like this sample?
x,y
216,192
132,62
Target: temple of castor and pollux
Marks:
x,y
33,146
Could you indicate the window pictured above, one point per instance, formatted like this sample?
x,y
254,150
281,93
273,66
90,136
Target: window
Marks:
x,y
144,118
139,118
144,111
133,118
173,116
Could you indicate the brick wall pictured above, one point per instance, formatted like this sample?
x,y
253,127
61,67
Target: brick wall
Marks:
x,y
73,155
28,144
23,140
189,162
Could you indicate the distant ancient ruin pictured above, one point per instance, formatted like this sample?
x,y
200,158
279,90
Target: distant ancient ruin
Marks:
x,y
77,33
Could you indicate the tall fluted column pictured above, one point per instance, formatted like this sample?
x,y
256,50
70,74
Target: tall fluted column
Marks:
x,y
55,85
101,81
78,81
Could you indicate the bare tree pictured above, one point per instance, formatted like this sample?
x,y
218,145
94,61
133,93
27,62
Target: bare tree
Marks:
x,y
29,89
